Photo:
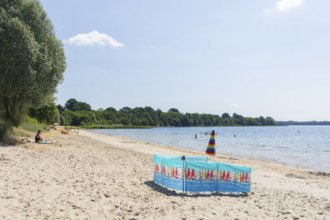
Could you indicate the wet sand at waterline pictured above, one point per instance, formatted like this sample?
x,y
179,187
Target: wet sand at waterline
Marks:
x,y
94,176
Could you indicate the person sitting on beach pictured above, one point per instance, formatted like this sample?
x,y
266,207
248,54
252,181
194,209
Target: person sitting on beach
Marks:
x,y
38,138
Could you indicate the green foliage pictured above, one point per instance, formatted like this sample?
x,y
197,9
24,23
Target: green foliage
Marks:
x,y
225,115
147,116
74,105
31,124
62,120
57,116
48,114
269,121
239,119
285,123
173,110
60,108
32,59
78,118
4,129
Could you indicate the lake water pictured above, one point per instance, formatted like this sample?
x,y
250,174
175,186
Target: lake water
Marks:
x,y
302,146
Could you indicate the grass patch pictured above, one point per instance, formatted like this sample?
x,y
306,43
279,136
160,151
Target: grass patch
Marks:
x,y
31,124
20,132
33,127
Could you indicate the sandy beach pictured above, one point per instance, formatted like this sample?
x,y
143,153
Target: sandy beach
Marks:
x,y
93,176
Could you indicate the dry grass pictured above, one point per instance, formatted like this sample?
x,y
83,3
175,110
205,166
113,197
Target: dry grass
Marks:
x,y
26,139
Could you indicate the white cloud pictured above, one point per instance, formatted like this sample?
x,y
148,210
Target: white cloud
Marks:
x,y
287,5
94,38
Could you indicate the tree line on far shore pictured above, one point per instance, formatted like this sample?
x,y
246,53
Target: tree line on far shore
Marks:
x,y
286,123
76,113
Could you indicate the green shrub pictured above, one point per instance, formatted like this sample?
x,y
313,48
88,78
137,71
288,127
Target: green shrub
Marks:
x,y
4,130
62,120
31,124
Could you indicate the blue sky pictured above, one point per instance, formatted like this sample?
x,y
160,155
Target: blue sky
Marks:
x,y
257,57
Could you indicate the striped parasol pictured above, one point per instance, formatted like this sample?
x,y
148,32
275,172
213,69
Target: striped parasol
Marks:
x,y
210,150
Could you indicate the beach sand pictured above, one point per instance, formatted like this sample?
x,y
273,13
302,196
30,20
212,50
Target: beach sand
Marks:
x,y
94,176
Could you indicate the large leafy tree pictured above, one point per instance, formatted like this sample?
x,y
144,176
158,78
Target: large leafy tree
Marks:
x,y
32,59
47,114
74,105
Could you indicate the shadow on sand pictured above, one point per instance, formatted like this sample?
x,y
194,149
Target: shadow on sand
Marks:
x,y
3,145
169,192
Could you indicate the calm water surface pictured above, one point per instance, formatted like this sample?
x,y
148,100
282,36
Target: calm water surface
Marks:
x,y
303,146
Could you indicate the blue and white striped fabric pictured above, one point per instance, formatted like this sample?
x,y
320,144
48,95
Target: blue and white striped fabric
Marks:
x,y
195,174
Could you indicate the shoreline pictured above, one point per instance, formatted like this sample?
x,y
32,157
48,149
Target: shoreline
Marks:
x,y
223,156
95,176
182,151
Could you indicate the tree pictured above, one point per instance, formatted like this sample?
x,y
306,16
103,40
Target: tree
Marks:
x,y
163,119
60,108
152,116
62,120
83,106
48,114
262,120
173,110
196,119
186,120
74,105
239,119
71,105
125,110
225,115
269,121
32,59
111,109
79,113
110,115
77,118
